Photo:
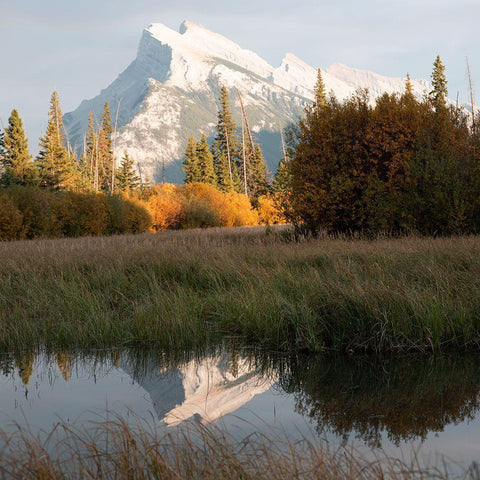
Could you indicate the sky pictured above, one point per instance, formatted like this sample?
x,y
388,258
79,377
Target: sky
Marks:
x,y
79,48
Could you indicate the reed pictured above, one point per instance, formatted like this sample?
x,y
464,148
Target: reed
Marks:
x,y
183,288
114,449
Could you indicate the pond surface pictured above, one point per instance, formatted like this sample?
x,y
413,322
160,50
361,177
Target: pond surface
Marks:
x,y
401,405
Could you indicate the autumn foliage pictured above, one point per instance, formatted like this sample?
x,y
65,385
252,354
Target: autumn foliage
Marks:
x,y
401,165
198,205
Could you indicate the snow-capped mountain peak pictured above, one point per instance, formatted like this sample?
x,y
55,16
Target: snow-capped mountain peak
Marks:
x,y
170,92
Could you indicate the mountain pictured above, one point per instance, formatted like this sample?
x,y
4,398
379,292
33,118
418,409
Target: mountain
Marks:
x,y
170,92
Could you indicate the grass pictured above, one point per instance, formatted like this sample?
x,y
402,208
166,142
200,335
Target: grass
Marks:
x,y
114,449
184,288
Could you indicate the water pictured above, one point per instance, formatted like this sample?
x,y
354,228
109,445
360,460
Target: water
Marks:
x,y
427,404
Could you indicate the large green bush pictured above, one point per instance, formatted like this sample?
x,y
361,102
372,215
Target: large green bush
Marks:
x,y
10,219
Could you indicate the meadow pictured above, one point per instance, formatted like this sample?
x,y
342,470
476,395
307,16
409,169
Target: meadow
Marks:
x,y
184,288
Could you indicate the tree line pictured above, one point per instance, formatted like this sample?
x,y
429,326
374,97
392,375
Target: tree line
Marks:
x,y
57,166
401,164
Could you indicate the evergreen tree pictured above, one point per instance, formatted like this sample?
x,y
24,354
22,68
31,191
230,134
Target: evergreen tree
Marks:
x,y
225,147
408,87
206,170
190,162
127,178
16,159
90,161
57,168
105,152
319,91
2,152
439,93
282,178
256,172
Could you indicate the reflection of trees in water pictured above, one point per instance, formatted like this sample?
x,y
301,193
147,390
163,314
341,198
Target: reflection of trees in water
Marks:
x,y
407,398
24,362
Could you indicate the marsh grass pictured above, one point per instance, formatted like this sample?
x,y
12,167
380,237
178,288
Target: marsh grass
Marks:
x,y
115,449
184,288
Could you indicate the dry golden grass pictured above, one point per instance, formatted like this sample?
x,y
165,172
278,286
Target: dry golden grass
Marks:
x,y
116,450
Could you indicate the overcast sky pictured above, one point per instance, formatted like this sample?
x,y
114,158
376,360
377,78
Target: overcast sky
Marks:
x,y
79,48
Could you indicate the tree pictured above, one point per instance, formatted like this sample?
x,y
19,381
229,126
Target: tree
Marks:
x,y
439,93
15,158
319,91
409,88
90,164
57,168
106,164
127,178
206,172
256,173
190,162
225,147
282,178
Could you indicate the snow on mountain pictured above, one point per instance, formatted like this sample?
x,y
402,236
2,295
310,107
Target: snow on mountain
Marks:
x,y
170,92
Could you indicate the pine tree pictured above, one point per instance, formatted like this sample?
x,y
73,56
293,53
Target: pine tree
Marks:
x,y
283,178
206,170
127,178
319,91
190,162
16,159
57,168
90,164
256,173
439,93
408,87
105,152
225,147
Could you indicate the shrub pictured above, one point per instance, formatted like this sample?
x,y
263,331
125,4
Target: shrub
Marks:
x,y
10,219
165,206
268,211
240,211
126,215
82,214
38,208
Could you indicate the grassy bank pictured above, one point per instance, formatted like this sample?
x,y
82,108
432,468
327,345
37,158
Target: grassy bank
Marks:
x,y
115,449
182,287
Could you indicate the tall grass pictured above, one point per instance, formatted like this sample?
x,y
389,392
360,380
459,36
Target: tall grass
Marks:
x,y
114,449
180,288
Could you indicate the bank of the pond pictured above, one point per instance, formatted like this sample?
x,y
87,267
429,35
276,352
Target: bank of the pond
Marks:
x,y
178,288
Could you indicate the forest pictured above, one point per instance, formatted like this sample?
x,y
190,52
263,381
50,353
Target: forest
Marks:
x,y
396,165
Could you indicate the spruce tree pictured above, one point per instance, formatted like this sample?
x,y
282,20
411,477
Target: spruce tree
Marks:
x,y
16,159
256,173
225,147
127,178
439,93
90,164
319,91
190,162
282,178
206,170
105,152
408,87
57,168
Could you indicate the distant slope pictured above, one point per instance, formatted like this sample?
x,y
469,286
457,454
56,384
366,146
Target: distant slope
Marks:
x,y
170,92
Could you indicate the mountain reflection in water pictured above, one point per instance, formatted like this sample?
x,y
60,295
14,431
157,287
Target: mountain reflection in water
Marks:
x,y
403,398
